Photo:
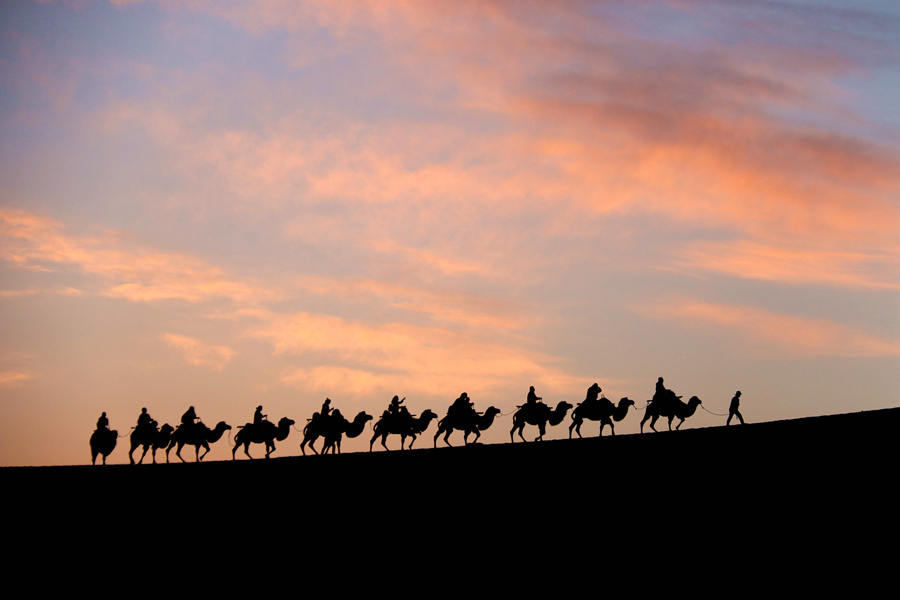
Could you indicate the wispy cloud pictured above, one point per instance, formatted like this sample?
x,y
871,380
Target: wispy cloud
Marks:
x,y
796,265
426,359
200,354
126,270
795,334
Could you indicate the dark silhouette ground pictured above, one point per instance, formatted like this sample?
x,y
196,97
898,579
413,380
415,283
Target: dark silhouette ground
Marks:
x,y
767,494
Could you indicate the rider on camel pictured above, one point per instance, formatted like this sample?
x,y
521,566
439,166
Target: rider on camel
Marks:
x,y
461,407
103,422
532,397
188,418
145,421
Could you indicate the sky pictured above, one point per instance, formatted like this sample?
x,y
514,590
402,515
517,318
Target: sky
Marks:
x,y
229,204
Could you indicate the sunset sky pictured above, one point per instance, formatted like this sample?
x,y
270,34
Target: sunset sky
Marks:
x,y
224,204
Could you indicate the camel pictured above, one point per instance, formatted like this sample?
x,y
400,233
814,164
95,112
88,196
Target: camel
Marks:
x,y
403,424
469,422
150,437
600,409
265,433
671,408
538,414
332,428
103,441
196,435
341,427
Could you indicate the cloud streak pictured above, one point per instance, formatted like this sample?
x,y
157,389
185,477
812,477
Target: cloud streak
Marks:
x,y
798,335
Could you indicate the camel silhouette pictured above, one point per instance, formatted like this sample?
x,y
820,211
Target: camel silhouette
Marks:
x,y
264,433
468,421
103,442
538,414
150,437
332,427
670,408
599,409
196,435
402,424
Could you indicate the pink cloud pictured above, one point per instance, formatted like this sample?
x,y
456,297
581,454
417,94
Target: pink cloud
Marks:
x,y
798,335
126,270
796,265
429,360
200,354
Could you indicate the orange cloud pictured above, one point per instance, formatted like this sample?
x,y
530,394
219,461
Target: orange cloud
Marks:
x,y
426,359
799,335
135,273
795,265
200,354
13,378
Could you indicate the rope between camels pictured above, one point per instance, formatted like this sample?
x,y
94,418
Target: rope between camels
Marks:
x,y
712,413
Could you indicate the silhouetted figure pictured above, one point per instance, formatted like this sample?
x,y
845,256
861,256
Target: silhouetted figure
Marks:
x,y
103,422
671,409
264,433
599,409
733,409
532,397
196,435
593,393
259,417
665,400
145,421
461,407
398,420
537,413
103,440
396,406
149,436
463,416
332,427
326,407
189,418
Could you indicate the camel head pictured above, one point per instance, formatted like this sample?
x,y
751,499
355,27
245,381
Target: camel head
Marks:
x,y
626,401
694,401
285,422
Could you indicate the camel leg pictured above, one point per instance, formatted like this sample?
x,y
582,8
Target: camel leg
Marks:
x,y
143,454
178,452
576,425
521,428
670,423
246,451
475,441
677,427
206,451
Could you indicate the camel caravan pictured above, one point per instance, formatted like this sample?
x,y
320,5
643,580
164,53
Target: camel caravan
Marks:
x,y
330,425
